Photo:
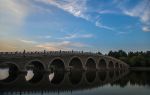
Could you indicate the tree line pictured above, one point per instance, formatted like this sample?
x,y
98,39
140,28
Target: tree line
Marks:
x,y
133,59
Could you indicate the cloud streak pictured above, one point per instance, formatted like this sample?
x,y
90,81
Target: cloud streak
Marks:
x,y
29,41
98,24
65,45
75,36
75,7
79,8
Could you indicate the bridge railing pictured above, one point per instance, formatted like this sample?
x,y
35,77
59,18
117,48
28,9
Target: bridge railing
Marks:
x,y
43,53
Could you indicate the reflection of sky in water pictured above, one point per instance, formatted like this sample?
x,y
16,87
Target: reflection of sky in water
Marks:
x,y
29,75
4,73
113,90
104,90
51,76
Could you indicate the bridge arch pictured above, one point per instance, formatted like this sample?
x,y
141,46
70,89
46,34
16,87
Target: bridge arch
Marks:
x,y
120,66
117,65
90,64
111,65
57,64
76,63
37,63
102,64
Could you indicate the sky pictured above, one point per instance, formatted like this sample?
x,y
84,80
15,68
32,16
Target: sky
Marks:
x,y
88,25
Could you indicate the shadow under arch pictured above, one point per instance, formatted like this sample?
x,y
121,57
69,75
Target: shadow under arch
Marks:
x,y
111,65
90,64
38,69
102,64
90,76
76,63
13,71
57,64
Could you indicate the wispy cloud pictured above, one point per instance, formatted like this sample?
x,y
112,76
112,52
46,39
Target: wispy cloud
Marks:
x,y
107,11
12,14
146,28
29,41
45,37
79,8
65,45
98,24
142,11
74,36
74,7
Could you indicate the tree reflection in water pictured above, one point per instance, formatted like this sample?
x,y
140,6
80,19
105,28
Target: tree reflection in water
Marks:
x,y
140,78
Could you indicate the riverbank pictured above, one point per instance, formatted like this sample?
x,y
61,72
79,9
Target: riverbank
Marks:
x,y
140,68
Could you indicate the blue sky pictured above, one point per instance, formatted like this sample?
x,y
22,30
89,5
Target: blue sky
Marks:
x,y
89,25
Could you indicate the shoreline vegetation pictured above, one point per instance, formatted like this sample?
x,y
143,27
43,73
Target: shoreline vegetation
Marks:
x,y
136,60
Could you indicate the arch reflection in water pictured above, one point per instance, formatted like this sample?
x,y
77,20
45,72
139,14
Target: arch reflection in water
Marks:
x,y
117,72
56,77
9,72
90,76
75,77
64,81
102,75
35,71
111,74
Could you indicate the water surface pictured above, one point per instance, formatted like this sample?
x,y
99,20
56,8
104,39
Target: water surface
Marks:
x,y
75,83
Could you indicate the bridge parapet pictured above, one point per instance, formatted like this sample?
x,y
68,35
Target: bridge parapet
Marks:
x,y
44,53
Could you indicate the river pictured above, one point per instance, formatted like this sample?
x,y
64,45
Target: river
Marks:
x,y
76,83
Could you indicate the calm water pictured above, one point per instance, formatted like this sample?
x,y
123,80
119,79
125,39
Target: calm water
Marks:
x,y
75,83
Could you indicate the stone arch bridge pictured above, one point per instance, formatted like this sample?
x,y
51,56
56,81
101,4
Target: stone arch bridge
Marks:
x,y
66,60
